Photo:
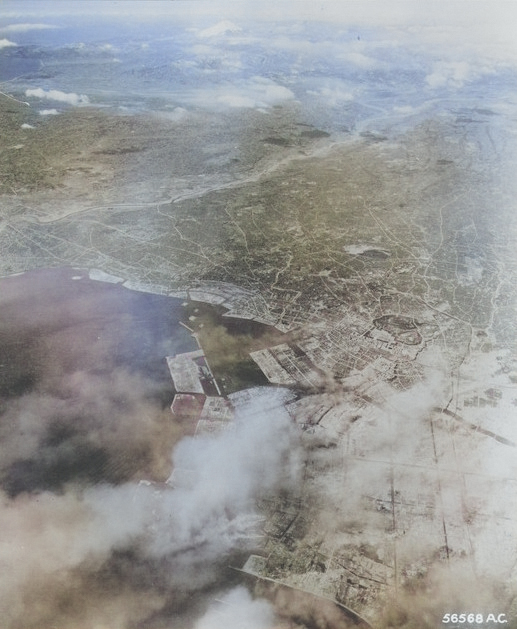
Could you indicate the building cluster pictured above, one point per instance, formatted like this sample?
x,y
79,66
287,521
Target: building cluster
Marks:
x,y
241,303
377,359
351,346
287,364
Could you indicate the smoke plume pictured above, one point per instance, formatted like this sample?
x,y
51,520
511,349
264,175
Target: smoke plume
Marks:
x,y
144,538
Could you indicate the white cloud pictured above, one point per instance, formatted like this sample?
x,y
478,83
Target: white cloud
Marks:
x,y
232,99
211,58
176,115
448,74
360,60
455,74
221,28
351,53
333,93
23,28
48,112
253,93
203,50
5,43
27,126
71,98
258,92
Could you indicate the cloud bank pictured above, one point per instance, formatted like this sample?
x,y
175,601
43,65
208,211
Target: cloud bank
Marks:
x,y
454,74
133,549
71,98
253,93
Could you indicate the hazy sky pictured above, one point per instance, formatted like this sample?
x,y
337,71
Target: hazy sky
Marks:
x,y
489,25
483,13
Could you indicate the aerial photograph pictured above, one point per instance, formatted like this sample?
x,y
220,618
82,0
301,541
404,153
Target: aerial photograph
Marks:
x,y
258,314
